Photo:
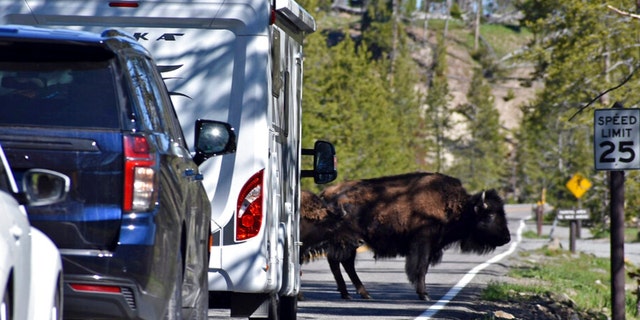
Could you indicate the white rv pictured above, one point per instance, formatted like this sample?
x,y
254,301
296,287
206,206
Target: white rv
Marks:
x,y
238,61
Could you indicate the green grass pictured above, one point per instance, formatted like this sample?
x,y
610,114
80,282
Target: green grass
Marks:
x,y
438,24
631,235
496,291
503,39
530,234
336,21
500,40
583,277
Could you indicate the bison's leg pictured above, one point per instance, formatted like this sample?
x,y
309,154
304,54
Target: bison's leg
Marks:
x,y
350,268
334,265
417,265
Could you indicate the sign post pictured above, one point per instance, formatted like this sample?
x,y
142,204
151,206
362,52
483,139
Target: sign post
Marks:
x,y
617,148
573,216
540,211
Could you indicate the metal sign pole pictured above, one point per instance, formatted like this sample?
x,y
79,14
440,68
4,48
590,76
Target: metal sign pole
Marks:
x,y
616,185
572,235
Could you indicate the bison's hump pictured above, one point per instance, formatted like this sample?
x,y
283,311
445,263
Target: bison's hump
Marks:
x,y
417,194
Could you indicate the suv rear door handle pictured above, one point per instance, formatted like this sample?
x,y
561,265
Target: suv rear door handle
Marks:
x,y
16,232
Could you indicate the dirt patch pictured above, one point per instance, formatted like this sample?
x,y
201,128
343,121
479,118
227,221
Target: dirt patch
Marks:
x,y
528,305
508,92
533,307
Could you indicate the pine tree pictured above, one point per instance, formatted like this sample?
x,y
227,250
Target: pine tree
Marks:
x,y
437,113
580,50
347,103
480,157
356,100
404,108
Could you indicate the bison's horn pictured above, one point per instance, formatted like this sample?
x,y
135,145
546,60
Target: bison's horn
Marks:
x,y
344,212
484,204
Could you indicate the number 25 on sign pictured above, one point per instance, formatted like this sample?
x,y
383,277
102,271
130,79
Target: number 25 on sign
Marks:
x,y
616,139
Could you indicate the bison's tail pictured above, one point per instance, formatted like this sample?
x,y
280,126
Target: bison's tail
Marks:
x,y
343,250
335,250
313,253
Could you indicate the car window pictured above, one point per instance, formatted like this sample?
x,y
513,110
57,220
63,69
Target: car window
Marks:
x,y
166,107
4,180
152,96
68,94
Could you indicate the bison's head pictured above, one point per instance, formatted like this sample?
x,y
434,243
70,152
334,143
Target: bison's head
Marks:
x,y
488,228
317,223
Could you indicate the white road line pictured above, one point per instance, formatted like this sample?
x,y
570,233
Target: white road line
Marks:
x,y
453,292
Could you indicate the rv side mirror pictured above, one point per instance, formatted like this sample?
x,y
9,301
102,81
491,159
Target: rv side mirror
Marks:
x,y
213,138
43,187
324,163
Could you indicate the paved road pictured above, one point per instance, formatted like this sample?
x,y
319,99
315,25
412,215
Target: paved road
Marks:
x,y
598,247
395,298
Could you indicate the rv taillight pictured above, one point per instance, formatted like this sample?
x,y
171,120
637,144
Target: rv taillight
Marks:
x,y
272,18
249,209
140,190
124,4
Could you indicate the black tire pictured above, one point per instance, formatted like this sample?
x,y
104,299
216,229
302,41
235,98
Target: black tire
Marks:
x,y
174,307
201,309
56,311
274,307
273,313
5,306
289,307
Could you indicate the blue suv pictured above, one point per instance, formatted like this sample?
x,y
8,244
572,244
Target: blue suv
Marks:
x,y
134,230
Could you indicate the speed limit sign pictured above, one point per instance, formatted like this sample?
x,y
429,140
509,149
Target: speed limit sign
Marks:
x,y
617,139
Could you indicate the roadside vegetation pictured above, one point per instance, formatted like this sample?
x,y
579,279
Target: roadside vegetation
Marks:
x,y
562,283
394,97
396,93
382,91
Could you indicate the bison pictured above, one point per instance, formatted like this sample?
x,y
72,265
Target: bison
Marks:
x,y
417,216
318,234
317,223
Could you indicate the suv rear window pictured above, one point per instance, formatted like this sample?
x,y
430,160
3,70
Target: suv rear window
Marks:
x,y
48,93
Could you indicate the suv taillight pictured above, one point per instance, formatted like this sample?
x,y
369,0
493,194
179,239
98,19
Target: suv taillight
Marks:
x,y
249,210
139,174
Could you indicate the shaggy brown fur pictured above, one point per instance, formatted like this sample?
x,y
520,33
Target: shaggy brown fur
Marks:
x,y
313,208
317,223
317,233
418,216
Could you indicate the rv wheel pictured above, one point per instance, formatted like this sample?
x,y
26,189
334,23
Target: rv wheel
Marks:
x,y
273,303
288,307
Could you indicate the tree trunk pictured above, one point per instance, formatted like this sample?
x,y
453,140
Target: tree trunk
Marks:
x,y
394,43
477,24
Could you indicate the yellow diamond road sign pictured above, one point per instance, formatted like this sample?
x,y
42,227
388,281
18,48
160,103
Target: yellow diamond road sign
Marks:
x,y
578,185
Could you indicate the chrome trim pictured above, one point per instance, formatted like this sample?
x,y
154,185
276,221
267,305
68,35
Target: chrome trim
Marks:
x,y
86,252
